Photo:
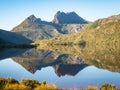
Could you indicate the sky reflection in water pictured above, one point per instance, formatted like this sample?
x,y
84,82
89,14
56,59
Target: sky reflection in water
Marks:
x,y
88,76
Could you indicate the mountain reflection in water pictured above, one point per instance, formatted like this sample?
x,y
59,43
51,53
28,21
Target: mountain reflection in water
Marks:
x,y
64,64
65,60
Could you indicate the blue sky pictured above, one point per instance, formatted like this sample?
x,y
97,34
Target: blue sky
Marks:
x,y
13,12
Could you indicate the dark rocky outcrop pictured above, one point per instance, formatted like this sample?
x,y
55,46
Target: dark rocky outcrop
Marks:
x,y
69,69
68,18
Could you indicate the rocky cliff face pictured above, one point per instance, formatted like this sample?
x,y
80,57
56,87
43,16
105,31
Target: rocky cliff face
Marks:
x,y
72,28
32,18
68,18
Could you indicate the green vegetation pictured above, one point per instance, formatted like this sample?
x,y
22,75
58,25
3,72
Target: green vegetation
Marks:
x,y
27,84
108,87
105,57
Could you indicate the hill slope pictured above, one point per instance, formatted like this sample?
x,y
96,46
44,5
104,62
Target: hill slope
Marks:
x,y
7,37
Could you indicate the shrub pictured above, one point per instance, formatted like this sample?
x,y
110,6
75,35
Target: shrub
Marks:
x,y
12,81
91,88
11,87
46,87
108,87
43,82
2,83
29,83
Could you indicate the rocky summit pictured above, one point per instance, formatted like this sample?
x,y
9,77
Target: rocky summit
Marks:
x,y
32,18
68,18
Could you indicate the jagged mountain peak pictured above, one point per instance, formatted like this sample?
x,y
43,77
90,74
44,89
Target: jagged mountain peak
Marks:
x,y
71,12
61,12
32,18
68,18
58,12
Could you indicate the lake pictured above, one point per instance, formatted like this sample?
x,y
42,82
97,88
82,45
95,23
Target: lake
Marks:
x,y
66,68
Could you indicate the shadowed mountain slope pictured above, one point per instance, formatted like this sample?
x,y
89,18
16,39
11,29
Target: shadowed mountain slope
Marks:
x,y
7,37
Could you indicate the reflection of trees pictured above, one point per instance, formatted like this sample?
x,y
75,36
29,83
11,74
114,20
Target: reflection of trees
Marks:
x,y
101,56
67,60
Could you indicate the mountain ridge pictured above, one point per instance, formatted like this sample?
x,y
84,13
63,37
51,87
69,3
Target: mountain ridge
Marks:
x,y
68,18
35,29
100,32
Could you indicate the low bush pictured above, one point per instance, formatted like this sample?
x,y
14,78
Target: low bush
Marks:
x,y
27,84
108,87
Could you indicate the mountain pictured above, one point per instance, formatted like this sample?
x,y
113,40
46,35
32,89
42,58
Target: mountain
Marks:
x,y
104,31
99,42
68,18
7,37
35,29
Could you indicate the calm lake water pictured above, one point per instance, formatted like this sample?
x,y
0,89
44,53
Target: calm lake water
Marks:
x,y
61,69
